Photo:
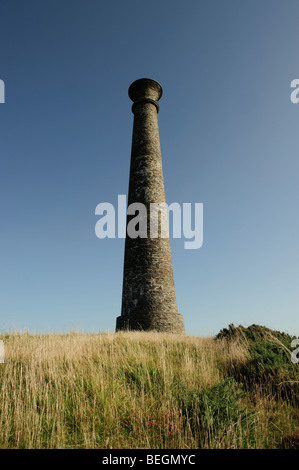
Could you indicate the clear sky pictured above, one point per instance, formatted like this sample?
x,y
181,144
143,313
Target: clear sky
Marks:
x,y
229,139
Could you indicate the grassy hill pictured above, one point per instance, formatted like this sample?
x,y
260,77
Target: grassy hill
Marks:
x,y
149,390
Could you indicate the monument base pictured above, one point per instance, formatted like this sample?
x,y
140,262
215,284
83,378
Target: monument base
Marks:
x,y
163,322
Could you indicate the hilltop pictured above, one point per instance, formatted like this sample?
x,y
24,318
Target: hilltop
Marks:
x,y
149,390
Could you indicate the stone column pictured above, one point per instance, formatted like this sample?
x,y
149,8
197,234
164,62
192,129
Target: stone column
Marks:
x,y
148,299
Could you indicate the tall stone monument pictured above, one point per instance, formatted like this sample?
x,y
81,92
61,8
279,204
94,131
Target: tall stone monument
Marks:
x,y
148,298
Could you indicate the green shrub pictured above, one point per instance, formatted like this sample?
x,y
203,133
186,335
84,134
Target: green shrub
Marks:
x,y
268,361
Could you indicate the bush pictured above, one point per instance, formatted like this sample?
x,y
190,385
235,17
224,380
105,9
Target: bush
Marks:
x,y
268,360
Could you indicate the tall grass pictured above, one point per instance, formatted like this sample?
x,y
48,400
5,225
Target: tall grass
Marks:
x,y
135,390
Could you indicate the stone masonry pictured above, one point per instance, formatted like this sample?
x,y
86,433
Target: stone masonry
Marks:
x,y
148,298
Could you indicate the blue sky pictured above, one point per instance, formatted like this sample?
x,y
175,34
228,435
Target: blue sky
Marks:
x,y
229,139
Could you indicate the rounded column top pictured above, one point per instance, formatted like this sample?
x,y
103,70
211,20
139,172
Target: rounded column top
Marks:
x,y
145,89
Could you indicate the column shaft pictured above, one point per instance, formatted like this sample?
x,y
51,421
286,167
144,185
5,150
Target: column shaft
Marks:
x,y
148,299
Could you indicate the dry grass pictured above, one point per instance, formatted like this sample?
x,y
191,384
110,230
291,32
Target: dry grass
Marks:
x,y
132,390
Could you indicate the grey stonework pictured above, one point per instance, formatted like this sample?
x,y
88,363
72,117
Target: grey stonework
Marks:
x,y
148,299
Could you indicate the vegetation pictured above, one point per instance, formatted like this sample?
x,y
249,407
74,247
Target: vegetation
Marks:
x,y
268,363
149,390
